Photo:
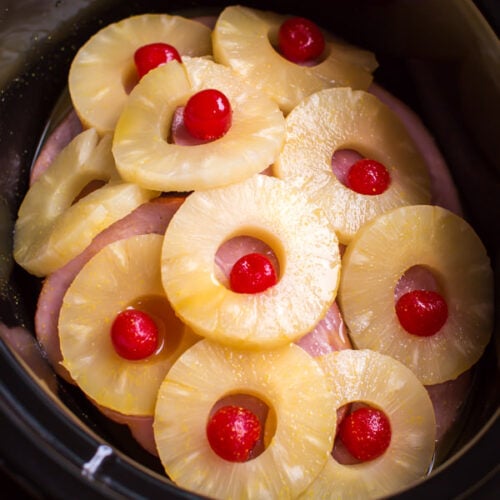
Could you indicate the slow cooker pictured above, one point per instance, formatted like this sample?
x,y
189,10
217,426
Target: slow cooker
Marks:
x,y
440,57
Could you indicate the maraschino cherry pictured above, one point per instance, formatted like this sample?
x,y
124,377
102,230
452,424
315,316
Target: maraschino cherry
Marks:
x,y
233,432
134,334
252,273
422,312
153,55
208,115
300,40
368,177
366,433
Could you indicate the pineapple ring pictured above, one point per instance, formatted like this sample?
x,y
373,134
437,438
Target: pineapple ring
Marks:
x,y
282,217
287,378
103,68
143,155
243,39
50,230
340,118
114,279
448,247
381,382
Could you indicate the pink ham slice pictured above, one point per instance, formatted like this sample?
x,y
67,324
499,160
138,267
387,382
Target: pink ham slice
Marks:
x,y
141,427
330,334
152,217
58,139
448,399
444,191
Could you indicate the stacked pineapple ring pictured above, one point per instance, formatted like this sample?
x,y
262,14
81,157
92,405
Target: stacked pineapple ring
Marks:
x,y
245,40
128,387
253,357
341,118
65,227
381,382
287,378
144,155
103,70
273,211
448,247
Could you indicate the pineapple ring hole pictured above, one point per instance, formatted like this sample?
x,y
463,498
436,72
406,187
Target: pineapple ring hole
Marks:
x,y
238,246
175,132
264,412
417,277
342,160
130,78
339,452
170,327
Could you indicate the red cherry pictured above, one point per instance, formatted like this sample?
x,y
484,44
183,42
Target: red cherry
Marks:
x,y
233,432
134,334
252,273
150,56
368,177
208,115
300,40
422,312
366,433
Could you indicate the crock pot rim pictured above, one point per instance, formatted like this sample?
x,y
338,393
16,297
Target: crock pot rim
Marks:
x,y
41,440
62,451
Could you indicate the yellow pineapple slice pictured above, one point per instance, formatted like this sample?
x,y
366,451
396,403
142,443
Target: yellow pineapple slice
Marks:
x,y
340,118
244,39
268,209
287,379
50,229
445,245
383,383
124,274
142,149
103,72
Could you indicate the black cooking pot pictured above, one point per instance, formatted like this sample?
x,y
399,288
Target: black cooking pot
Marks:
x,y
441,57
